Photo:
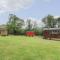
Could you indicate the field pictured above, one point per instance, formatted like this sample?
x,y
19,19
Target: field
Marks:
x,y
28,48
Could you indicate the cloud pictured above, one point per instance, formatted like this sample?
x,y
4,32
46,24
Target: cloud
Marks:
x,y
11,5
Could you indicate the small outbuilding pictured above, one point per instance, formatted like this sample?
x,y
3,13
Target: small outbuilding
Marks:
x,y
51,33
3,31
30,33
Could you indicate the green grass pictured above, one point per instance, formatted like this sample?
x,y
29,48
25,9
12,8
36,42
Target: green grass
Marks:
x,y
28,48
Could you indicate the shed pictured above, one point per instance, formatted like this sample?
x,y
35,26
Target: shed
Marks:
x,y
30,33
3,30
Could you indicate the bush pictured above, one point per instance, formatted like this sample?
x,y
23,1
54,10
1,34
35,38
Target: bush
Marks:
x,y
39,31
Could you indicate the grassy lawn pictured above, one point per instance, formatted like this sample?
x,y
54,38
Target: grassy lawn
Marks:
x,y
28,48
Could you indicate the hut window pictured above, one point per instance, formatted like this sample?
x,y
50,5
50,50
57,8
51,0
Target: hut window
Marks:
x,y
54,31
58,31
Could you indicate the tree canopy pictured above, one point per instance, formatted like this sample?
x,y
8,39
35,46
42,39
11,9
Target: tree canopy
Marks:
x,y
14,24
49,21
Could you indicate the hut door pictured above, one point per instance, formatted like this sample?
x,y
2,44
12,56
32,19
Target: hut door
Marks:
x,y
46,33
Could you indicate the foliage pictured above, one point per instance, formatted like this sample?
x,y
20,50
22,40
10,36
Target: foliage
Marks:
x,y
58,22
49,21
39,31
29,25
33,26
14,24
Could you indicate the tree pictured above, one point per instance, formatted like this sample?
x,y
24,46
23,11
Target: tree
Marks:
x,y
29,25
35,26
14,24
44,20
49,21
58,22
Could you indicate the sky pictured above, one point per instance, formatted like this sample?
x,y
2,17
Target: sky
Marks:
x,y
34,9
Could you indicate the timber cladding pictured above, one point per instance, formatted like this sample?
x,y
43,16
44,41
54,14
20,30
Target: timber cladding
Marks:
x,y
3,32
